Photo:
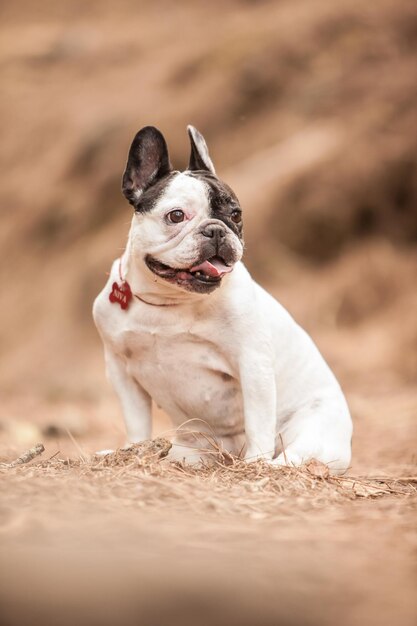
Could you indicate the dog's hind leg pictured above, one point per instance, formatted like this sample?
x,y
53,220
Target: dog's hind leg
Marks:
x,y
323,434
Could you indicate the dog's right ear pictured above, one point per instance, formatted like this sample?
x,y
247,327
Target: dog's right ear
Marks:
x,y
148,161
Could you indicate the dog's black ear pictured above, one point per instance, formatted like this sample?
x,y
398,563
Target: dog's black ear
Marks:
x,y
148,161
199,158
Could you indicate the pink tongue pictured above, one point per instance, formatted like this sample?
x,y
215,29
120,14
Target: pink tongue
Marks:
x,y
215,267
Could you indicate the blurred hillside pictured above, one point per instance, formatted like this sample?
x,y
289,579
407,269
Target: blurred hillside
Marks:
x,y
308,108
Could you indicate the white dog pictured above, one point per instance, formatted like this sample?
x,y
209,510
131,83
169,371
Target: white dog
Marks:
x,y
184,324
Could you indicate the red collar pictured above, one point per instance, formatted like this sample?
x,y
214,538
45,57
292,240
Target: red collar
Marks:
x,y
121,293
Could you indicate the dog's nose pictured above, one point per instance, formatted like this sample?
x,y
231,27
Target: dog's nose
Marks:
x,y
213,230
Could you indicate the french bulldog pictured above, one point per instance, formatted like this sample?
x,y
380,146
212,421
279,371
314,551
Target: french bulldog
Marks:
x,y
184,325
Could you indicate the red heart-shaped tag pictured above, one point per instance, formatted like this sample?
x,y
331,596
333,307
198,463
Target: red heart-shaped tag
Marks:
x,y
121,294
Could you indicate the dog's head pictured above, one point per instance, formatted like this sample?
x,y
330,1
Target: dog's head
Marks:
x,y
187,226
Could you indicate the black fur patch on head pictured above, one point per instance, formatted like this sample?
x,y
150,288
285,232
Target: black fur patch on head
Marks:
x,y
150,196
222,199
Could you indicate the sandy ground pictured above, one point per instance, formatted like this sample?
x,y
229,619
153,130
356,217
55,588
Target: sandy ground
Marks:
x,y
88,545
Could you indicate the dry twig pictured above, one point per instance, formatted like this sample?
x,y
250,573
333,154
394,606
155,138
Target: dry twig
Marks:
x,y
27,456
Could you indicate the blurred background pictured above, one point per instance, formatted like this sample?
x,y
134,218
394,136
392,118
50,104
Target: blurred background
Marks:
x,y
309,110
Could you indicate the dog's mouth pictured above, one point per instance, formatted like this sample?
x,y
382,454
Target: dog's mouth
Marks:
x,y
208,273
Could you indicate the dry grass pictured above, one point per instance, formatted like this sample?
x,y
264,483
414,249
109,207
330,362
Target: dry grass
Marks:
x,y
223,484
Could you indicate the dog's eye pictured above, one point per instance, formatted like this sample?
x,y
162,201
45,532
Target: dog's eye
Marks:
x,y
176,216
236,216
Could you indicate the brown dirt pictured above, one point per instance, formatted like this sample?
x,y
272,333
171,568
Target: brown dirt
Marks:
x,y
146,541
309,111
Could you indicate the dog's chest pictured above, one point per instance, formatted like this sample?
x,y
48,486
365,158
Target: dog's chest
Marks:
x,y
183,365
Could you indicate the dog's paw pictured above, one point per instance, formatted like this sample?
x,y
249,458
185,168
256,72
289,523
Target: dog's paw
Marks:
x,y
289,459
104,452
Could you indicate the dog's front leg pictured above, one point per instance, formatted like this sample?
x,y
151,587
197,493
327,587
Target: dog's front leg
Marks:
x,y
259,406
136,403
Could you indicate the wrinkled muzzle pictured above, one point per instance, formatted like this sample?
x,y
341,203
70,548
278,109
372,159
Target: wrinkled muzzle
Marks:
x,y
220,243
